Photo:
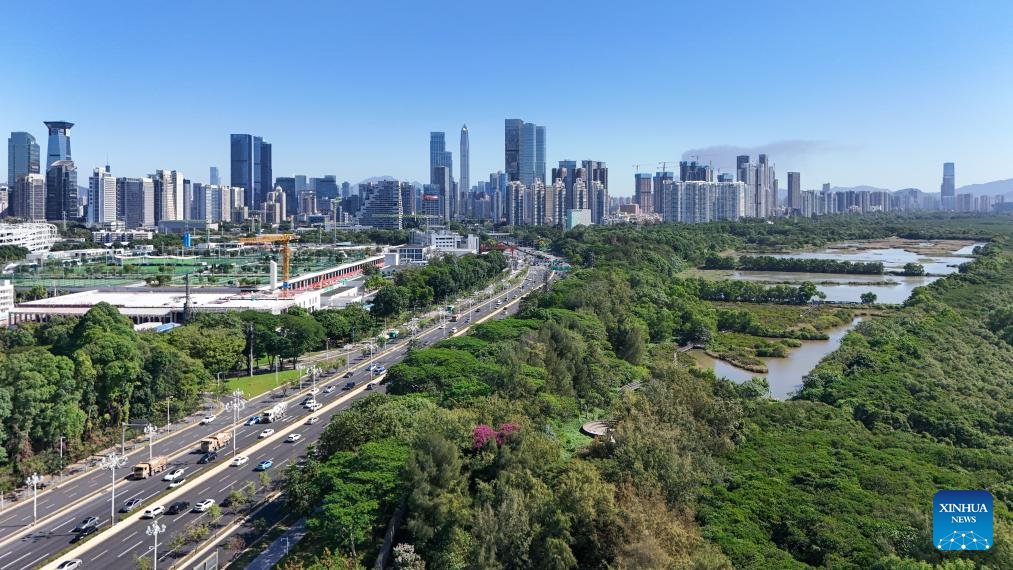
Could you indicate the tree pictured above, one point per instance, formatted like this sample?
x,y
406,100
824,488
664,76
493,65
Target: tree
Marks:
x,y
391,300
914,269
219,349
868,297
437,503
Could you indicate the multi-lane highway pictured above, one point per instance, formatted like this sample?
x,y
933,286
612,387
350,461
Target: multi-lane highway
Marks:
x,y
119,546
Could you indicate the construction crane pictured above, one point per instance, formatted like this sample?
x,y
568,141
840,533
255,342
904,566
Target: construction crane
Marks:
x,y
270,239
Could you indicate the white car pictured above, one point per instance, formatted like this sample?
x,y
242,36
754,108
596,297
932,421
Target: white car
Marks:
x,y
208,419
314,390
153,511
329,389
203,505
312,420
314,406
294,437
177,483
443,326
266,433
174,474
241,460
69,564
453,330
310,403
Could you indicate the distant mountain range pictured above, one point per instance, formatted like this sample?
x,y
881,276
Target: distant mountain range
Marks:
x,y
1004,187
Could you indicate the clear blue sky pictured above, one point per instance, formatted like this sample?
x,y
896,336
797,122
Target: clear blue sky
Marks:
x,y
859,92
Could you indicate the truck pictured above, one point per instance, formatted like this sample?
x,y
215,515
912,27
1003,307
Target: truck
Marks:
x,y
146,469
455,317
216,441
274,414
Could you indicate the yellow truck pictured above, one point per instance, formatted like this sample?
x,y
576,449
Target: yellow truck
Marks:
x,y
216,441
146,469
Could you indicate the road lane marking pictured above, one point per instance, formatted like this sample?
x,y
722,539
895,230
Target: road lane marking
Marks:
x,y
100,554
131,535
139,542
11,563
32,563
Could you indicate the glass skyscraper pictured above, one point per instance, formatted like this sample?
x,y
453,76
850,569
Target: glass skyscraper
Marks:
x,y
251,167
524,147
59,141
22,157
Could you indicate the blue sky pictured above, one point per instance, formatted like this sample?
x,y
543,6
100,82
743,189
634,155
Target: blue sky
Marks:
x,y
854,92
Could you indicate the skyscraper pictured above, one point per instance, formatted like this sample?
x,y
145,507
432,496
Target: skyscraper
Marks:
x,y
101,198
22,157
690,171
642,192
382,205
660,178
292,194
139,201
465,161
29,201
948,189
61,190
214,179
251,167
59,142
524,148
566,172
440,157
794,193
442,182
170,201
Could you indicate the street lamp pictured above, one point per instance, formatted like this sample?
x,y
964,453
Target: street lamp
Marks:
x,y
112,462
154,529
150,430
237,404
34,481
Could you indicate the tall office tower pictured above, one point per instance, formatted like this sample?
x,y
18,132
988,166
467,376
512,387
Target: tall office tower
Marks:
x,y
440,178
139,198
948,189
408,193
61,191
694,171
742,168
660,178
214,178
515,193
794,193
301,184
599,201
465,160
566,172
346,189
524,148
325,187
290,187
642,192
440,157
250,167
29,200
382,206
22,157
101,198
59,142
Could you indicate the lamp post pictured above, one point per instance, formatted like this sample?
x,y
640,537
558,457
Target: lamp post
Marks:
x,y
112,462
154,529
235,405
168,419
34,481
150,430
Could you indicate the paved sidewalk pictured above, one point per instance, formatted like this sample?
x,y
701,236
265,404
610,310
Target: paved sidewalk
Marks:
x,y
277,550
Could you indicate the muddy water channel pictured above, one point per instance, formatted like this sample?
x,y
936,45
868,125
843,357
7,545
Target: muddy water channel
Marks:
x,y
785,374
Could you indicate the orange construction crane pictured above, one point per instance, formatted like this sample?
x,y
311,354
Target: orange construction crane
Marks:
x,y
267,239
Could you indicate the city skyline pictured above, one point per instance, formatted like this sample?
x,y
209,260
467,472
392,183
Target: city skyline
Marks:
x,y
819,110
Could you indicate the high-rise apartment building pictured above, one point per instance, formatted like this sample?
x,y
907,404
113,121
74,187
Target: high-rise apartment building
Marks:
x,y
171,202
700,201
382,205
515,201
251,167
642,192
794,193
101,207
22,157
694,171
524,148
660,179
948,189
29,198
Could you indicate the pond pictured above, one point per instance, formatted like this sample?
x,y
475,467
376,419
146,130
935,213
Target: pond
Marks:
x,y
784,374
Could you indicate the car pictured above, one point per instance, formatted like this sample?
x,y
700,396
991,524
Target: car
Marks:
x,y
330,389
130,505
379,370
240,460
504,311
178,507
70,564
453,330
266,433
174,474
208,457
264,465
312,420
348,374
370,385
153,511
208,419
90,522
314,390
253,420
293,437
314,407
443,326
310,402
177,483
348,386
203,505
